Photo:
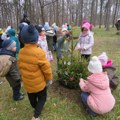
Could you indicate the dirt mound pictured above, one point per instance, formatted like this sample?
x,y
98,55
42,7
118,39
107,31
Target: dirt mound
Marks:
x,y
71,94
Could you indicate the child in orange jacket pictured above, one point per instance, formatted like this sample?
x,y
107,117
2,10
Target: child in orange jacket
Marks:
x,y
35,69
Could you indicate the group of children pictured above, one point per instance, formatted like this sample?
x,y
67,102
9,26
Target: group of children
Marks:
x,y
32,61
96,96
36,73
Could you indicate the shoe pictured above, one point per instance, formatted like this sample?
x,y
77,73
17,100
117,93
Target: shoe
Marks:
x,y
23,94
91,113
33,118
19,98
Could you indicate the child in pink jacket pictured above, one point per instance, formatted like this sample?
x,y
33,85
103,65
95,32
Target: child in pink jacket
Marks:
x,y
96,95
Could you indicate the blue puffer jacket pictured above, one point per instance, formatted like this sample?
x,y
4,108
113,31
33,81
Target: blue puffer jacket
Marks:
x,y
11,33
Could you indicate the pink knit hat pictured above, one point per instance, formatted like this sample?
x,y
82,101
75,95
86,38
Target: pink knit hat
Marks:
x,y
84,21
86,25
91,26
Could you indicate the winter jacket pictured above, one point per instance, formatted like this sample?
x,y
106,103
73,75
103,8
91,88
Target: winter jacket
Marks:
x,y
61,46
100,99
5,65
34,68
86,43
9,68
42,42
110,68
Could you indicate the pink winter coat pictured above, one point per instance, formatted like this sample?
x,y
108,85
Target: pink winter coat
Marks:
x,y
100,99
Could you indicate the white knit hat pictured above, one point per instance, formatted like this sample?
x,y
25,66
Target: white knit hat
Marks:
x,y
95,65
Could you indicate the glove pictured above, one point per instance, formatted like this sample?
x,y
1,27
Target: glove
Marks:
x,y
49,82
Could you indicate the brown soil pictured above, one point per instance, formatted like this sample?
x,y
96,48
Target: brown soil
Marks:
x,y
57,89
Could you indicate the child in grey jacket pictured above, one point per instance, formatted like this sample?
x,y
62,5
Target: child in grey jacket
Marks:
x,y
85,42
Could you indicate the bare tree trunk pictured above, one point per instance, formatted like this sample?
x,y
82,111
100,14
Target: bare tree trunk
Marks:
x,y
57,13
63,11
53,12
108,15
92,11
101,8
77,12
116,6
81,11
42,10
96,10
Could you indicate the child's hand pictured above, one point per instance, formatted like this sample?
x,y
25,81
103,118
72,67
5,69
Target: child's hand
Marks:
x,y
83,49
48,83
81,79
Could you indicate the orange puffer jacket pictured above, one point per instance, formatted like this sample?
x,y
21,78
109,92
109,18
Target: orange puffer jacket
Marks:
x,y
35,69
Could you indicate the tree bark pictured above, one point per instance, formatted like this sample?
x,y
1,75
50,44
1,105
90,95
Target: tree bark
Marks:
x,y
101,8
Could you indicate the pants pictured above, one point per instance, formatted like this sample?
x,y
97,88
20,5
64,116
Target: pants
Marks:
x,y
37,101
84,97
87,57
16,92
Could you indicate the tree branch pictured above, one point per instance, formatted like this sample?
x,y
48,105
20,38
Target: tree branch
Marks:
x,y
50,3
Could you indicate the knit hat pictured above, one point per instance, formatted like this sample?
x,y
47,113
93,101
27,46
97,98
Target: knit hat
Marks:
x,y
29,34
46,26
95,65
84,21
86,25
64,26
103,58
8,44
53,25
21,25
1,31
91,26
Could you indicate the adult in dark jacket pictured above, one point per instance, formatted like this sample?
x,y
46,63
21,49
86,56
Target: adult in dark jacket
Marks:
x,y
9,69
117,24
25,19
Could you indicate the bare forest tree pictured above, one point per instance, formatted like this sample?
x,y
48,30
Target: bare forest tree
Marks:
x,y
109,4
101,10
97,12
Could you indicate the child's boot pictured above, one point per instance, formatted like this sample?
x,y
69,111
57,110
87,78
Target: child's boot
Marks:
x,y
16,94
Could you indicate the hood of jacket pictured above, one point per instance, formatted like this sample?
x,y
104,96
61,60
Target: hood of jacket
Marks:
x,y
100,80
11,32
7,52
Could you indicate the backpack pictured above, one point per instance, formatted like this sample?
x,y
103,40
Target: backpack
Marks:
x,y
5,65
